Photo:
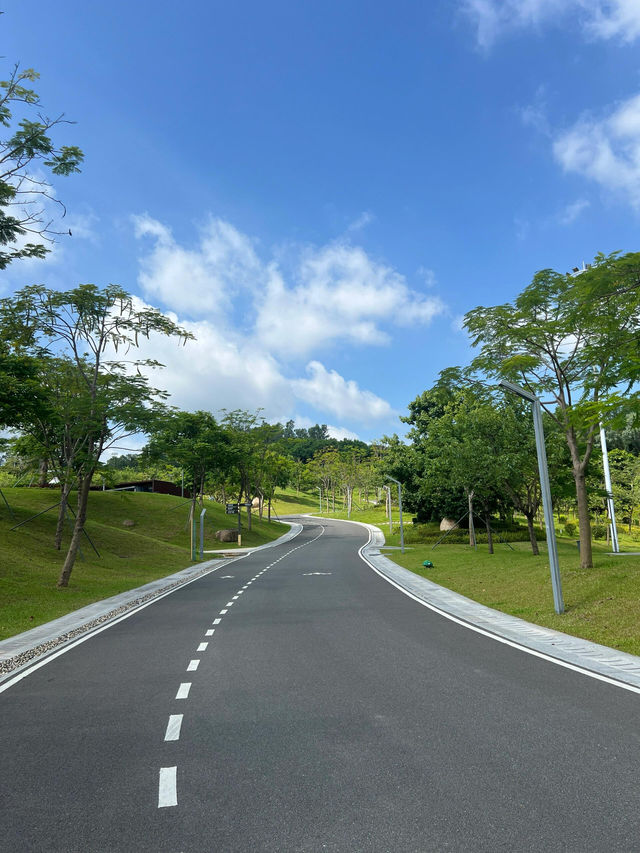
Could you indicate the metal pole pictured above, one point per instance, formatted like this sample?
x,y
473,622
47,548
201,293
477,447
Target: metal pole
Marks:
x,y
319,488
182,491
202,533
543,471
607,483
552,547
399,510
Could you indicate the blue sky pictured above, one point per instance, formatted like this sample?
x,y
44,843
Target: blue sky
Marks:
x,y
320,191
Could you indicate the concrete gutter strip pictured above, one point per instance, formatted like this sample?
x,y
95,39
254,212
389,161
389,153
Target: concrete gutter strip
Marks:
x,y
19,651
610,663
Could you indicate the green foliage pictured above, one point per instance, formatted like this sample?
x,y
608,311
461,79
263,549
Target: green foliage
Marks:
x,y
29,145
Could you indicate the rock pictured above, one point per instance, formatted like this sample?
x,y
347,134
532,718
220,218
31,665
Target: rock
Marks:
x,y
447,524
227,535
128,523
255,503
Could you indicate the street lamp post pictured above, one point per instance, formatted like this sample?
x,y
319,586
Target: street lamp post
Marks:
x,y
319,488
397,482
543,470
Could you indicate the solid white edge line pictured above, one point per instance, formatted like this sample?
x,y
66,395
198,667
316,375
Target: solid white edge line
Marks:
x,y
92,632
167,788
173,727
478,630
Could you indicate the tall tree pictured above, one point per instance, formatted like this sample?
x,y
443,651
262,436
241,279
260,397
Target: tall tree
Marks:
x,y
90,327
573,342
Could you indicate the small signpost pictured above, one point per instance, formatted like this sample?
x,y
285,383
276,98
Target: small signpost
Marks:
x,y
231,509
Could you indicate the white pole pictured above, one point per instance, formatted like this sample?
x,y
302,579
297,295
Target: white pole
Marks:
x,y
607,483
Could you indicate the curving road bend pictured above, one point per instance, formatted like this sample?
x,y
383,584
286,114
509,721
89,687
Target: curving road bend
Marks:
x,y
296,701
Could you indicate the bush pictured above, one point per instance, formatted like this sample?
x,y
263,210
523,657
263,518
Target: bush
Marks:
x,y
562,519
570,528
599,531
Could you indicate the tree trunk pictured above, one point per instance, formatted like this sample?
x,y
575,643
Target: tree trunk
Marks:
x,y
269,510
586,557
81,517
44,473
488,526
62,513
472,530
532,534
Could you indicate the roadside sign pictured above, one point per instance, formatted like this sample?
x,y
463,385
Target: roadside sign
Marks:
x,y
232,509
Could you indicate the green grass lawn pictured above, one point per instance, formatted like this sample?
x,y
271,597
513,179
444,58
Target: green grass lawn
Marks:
x,y
157,545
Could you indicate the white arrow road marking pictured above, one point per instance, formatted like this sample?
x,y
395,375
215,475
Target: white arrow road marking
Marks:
x,y
167,793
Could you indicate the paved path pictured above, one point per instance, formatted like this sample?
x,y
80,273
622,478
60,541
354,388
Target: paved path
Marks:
x,y
326,711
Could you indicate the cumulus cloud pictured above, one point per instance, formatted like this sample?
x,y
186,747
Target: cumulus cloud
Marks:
x,y
599,19
290,305
606,150
327,390
339,293
202,279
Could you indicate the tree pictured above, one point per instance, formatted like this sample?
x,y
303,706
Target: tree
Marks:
x,y
29,146
572,341
194,442
114,399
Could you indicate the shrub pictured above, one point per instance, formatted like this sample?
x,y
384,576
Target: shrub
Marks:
x,y
599,531
570,528
562,519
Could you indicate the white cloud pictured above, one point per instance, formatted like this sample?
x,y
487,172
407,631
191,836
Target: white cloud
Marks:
x,y
572,211
290,304
200,280
340,293
599,19
606,150
328,391
361,222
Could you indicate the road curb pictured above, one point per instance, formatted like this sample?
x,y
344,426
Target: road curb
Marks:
x,y
22,650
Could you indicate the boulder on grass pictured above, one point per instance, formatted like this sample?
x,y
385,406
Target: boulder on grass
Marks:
x,y
227,535
447,524
128,523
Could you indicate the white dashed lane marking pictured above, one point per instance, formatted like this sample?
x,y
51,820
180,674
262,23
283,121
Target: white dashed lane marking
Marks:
x,y
167,793
167,784
173,727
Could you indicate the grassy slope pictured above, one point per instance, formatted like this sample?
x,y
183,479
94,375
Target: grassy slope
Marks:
x,y
156,546
602,604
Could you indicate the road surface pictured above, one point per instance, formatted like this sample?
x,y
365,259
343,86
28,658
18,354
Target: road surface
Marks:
x,y
296,701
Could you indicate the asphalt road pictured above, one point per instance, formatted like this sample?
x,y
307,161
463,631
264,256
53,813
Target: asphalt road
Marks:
x,y
328,712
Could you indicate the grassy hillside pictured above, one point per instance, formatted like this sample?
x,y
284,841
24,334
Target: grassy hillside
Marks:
x,y
156,545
